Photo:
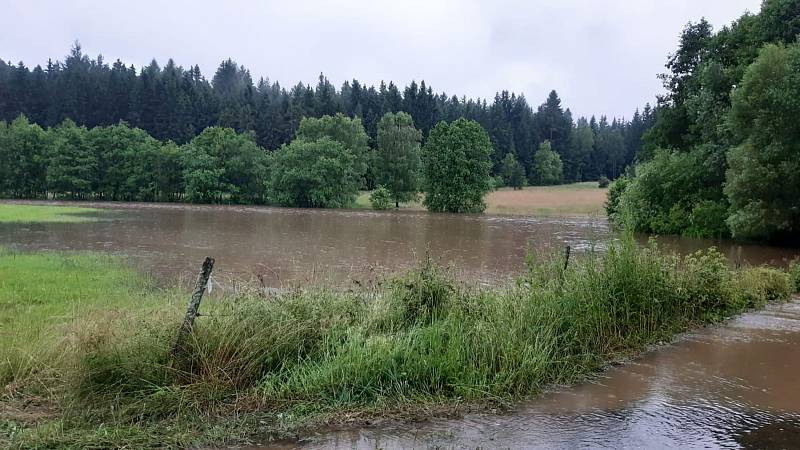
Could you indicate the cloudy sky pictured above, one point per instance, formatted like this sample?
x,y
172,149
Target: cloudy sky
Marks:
x,y
601,56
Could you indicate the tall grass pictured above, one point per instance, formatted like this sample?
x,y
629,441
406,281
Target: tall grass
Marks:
x,y
422,339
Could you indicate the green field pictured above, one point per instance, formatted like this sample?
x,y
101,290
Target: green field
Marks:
x,y
85,346
14,213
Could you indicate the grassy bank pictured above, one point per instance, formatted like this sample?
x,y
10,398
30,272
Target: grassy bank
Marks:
x,y
40,213
419,343
568,200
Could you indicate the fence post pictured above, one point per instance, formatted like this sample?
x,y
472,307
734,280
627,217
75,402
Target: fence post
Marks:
x,y
194,306
567,251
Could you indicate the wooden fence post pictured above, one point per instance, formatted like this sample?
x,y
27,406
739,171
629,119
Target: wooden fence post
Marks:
x,y
567,251
194,306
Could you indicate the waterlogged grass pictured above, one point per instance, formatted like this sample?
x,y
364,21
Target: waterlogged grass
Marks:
x,y
420,343
41,213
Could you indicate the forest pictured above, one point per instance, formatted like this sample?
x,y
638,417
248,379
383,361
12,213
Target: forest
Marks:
x,y
165,109
723,156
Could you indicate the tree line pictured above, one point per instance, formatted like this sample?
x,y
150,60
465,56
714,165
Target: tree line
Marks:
x,y
723,156
175,104
325,165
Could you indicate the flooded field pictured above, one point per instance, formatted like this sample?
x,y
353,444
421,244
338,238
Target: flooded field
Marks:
x,y
283,246
729,387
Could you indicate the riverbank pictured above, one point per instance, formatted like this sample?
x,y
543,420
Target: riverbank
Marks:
x,y
416,345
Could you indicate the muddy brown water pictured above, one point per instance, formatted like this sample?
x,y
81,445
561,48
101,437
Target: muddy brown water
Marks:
x,y
284,246
734,386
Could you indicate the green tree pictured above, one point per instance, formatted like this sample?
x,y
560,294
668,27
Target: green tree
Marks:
x,y
169,172
397,162
349,132
23,152
317,174
547,167
513,173
763,179
581,143
221,165
126,160
456,162
72,168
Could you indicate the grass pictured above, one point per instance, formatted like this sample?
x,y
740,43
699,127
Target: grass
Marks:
x,y
418,344
13,213
568,200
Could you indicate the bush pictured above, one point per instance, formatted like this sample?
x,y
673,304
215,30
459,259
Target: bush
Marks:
x,y
381,198
794,274
753,287
603,182
497,182
615,191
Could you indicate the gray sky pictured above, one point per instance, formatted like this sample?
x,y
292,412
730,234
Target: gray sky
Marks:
x,y
601,56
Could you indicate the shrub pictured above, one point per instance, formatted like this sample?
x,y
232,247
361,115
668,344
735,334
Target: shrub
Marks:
x,y
497,182
603,182
615,191
381,198
753,287
704,281
794,274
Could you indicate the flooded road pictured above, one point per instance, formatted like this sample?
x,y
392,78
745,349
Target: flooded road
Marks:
x,y
284,246
734,386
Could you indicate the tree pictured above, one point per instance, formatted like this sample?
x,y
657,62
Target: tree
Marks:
x,y
763,179
316,174
513,173
554,124
72,167
221,165
397,160
23,152
126,159
349,132
456,163
581,143
547,167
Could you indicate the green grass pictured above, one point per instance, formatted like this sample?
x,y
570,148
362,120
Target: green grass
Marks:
x,y
40,213
420,343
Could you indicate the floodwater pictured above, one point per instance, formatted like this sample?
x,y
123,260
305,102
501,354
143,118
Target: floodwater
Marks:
x,y
729,387
283,247
734,386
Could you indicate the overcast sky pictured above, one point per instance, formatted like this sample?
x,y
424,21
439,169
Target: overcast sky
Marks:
x,y
601,56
